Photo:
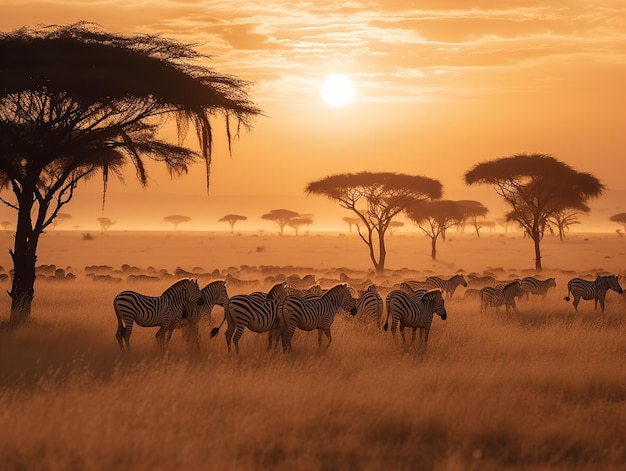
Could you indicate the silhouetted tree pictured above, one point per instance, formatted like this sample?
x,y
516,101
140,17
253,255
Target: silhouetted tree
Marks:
x,y
75,100
232,219
351,221
280,217
434,218
105,223
60,219
562,220
376,198
619,218
302,220
472,211
537,187
176,220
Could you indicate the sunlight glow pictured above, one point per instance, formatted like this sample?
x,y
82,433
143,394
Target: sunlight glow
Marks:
x,y
338,90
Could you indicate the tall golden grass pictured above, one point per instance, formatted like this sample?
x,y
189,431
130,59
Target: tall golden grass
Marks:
x,y
543,388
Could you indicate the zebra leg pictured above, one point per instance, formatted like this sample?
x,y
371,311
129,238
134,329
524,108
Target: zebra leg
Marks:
x,y
286,336
414,336
576,301
425,342
601,303
237,336
324,330
193,336
160,338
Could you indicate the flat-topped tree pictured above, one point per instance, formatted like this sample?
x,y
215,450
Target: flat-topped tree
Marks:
x,y
232,219
75,100
472,211
376,199
536,186
176,220
280,217
619,218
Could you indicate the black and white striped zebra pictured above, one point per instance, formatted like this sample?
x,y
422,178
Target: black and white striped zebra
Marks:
x,y
213,294
501,296
257,311
595,290
309,314
369,305
414,311
163,311
531,285
448,286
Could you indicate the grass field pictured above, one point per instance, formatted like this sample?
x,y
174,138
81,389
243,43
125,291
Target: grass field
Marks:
x,y
543,388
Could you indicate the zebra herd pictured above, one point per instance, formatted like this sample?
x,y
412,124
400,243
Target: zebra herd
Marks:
x,y
284,309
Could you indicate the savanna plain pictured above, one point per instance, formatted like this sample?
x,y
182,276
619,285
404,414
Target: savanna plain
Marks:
x,y
540,388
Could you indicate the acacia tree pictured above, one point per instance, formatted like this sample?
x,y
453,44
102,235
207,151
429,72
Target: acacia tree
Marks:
x,y
376,199
232,219
472,211
562,220
106,223
434,218
176,220
75,100
60,219
351,221
394,225
302,220
280,217
619,218
536,186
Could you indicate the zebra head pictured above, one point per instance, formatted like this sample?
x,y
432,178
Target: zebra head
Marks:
x,y
433,299
346,301
612,282
551,283
192,292
513,289
460,279
215,293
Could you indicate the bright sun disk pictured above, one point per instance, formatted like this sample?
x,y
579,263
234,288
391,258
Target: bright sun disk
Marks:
x,y
338,90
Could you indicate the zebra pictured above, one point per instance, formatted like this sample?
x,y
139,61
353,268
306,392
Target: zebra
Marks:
x,y
447,286
257,311
413,285
595,290
309,314
164,311
213,294
496,297
370,305
415,311
532,285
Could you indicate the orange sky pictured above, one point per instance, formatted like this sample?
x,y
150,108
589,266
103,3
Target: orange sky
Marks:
x,y
438,89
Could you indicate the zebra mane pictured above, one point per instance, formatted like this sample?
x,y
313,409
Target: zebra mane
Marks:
x,y
336,288
177,286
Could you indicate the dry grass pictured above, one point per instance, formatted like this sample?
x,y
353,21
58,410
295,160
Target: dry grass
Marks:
x,y
541,389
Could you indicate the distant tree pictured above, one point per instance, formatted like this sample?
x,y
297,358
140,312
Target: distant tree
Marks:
x,y
393,225
351,221
562,220
105,223
434,218
232,219
472,212
280,217
75,100
376,199
619,218
303,220
536,186
5,224
60,219
176,220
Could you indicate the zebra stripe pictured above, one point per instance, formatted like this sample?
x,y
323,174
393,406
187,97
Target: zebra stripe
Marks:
x,y
311,314
414,311
447,286
148,311
499,296
257,311
531,285
369,305
212,294
595,290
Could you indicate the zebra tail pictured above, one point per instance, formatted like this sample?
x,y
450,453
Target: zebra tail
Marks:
x,y
215,330
567,298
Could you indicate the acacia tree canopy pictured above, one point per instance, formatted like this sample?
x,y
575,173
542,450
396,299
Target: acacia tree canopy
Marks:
x,y
376,198
75,100
536,186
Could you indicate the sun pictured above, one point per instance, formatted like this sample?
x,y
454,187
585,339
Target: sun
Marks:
x,y
338,90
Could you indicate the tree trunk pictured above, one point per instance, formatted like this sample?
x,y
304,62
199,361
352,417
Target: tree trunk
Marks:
x,y
536,240
433,248
24,258
382,252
